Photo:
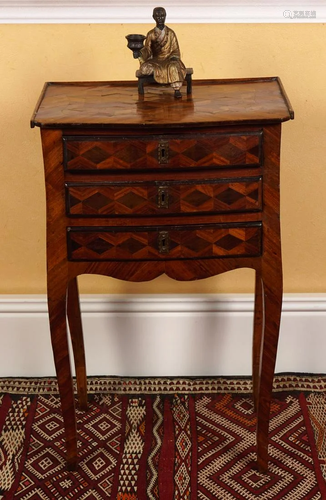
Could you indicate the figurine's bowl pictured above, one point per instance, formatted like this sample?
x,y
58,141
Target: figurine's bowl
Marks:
x,y
135,42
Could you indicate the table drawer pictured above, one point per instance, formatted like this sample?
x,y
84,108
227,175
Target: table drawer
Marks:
x,y
89,154
165,242
162,198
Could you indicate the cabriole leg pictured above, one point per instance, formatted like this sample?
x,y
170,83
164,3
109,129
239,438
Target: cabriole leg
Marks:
x,y
257,338
58,328
272,300
77,340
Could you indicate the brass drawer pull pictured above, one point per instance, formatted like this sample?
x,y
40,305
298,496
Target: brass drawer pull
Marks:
x,y
163,242
163,152
163,197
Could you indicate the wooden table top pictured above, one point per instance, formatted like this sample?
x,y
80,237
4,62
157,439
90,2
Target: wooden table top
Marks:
x,y
111,104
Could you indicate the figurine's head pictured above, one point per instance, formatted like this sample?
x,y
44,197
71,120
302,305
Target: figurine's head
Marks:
x,y
159,15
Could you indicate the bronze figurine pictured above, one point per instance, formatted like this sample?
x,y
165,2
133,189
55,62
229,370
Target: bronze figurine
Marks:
x,y
160,57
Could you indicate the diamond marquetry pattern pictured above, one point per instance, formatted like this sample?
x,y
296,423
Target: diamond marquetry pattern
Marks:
x,y
216,150
186,243
117,199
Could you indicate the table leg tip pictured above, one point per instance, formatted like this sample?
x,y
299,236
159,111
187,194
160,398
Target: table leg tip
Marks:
x,y
83,406
262,466
72,464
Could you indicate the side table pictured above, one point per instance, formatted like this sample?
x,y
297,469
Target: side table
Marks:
x,y
138,186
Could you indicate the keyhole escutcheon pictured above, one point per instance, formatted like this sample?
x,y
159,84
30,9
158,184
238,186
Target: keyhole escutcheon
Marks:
x,y
163,197
163,152
163,242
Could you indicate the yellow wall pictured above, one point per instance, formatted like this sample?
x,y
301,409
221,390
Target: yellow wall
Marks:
x,y
33,54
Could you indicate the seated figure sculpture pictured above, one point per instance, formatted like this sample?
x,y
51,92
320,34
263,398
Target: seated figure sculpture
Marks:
x,y
160,56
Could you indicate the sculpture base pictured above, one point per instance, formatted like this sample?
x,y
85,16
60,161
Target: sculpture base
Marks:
x,y
149,79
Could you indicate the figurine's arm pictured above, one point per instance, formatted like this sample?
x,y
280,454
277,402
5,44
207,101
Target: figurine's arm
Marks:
x,y
146,51
175,51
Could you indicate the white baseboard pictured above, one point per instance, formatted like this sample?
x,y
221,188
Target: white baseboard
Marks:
x,y
182,335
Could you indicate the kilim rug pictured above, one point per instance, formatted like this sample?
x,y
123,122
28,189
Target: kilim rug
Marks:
x,y
166,439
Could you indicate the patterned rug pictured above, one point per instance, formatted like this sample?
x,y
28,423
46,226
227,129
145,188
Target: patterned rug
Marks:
x,y
182,439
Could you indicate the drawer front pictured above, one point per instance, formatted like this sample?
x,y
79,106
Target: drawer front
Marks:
x,y
89,154
165,243
155,198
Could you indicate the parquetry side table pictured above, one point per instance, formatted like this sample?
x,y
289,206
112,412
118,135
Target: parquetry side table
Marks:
x,y
138,186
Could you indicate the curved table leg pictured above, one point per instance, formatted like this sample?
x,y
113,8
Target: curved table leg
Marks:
x,y
58,327
272,292
77,340
257,338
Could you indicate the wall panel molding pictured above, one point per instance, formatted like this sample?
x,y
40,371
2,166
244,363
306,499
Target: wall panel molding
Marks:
x,y
186,11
